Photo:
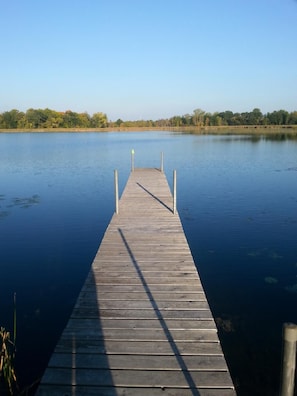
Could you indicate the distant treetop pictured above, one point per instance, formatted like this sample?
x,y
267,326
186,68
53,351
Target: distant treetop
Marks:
x,y
46,118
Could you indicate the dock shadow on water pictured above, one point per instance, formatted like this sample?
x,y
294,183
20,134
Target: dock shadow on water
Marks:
x,y
80,362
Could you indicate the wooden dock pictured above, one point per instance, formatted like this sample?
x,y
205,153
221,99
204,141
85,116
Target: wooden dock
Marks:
x,y
141,325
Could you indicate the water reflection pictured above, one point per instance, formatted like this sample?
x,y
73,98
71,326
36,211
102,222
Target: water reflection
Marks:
x,y
252,134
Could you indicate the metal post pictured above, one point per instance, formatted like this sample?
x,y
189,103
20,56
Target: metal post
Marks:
x,y
132,160
289,359
174,191
162,162
116,191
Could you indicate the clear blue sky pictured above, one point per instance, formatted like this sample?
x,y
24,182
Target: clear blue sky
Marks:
x,y
148,59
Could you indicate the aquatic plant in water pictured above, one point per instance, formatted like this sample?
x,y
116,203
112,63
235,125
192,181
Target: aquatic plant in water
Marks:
x,y
3,213
271,280
7,353
292,288
26,202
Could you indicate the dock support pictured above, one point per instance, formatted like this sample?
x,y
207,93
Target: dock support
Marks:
x,y
132,160
289,359
116,191
162,162
174,191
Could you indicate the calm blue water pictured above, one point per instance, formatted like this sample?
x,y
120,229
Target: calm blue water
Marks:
x,y
237,199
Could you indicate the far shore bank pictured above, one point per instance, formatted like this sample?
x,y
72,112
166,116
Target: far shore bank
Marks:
x,y
203,130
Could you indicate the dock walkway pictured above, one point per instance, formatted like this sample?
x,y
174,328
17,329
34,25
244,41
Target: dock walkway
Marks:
x,y
141,325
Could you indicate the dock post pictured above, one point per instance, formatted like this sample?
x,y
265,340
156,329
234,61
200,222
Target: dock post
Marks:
x,y
162,162
132,160
174,191
289,359
116,191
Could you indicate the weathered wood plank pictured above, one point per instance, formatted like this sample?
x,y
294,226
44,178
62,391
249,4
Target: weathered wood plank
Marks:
x,y
141,304
171,324
144,378
143,362
157,348
68,390
141,324
154,335
93,312
138,296
156,288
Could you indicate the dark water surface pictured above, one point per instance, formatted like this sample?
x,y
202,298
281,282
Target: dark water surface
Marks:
x,y
236,196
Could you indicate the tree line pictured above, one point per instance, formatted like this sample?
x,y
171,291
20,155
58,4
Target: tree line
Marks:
x,y
201,118
46,118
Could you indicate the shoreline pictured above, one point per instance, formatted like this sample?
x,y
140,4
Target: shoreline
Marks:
x,y
203,130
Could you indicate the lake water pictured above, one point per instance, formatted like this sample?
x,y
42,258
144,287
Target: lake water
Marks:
x,y
237,199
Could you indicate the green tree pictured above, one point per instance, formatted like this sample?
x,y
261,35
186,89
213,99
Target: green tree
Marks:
x,y
176,121
187,119
84,120
10,119
119,122
237,119
257,116
22,122
292,118
223,118
278,117
198,117
218,121
227,117
99,120
70,119
51,118
162,123
36,118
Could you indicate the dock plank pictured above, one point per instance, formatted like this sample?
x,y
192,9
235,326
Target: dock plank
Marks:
x,y
141,324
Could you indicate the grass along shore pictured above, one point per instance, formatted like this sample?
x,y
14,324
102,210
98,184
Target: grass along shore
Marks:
x,y
288,130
